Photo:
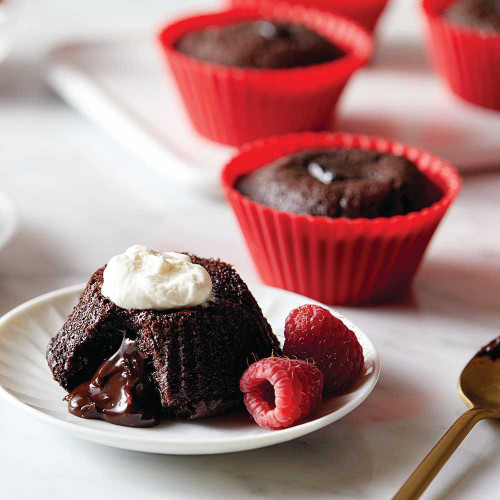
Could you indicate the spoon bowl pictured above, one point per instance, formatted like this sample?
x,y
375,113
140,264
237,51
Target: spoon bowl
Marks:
x,y
479,387
479,383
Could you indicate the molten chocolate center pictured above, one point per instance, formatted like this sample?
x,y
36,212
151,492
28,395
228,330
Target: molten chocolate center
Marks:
x,y
120,392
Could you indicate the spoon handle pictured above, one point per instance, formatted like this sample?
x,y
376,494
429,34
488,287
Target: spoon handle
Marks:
x,y
434,461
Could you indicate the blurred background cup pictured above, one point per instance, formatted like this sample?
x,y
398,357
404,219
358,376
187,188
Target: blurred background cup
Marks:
x,y
466,57
235,105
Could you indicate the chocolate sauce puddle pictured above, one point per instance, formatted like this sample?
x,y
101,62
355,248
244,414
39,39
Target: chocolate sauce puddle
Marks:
x,y
492,350
120,392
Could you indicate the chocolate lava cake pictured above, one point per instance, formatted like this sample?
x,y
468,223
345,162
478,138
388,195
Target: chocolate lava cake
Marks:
x,y
259,44
478,14
351,183
194,356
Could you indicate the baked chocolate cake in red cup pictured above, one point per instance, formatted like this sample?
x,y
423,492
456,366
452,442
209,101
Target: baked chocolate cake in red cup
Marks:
x,y
233,105
337,260
365,12
466,55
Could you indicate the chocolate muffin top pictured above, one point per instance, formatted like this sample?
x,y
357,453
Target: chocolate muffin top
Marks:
x,y
480,14
259,44
349,183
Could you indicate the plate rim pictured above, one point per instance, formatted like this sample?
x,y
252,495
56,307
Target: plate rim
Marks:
x,y
187,448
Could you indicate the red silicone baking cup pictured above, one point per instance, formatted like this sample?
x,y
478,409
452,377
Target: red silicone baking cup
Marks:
x,y
336,260
365,12
467,58
237,105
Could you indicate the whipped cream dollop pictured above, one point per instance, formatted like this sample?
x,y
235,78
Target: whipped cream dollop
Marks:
x,y
142,278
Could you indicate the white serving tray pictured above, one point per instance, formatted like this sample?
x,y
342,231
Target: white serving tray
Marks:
x,y
123,86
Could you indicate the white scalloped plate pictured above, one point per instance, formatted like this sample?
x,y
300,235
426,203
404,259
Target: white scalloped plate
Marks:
x,y
26,382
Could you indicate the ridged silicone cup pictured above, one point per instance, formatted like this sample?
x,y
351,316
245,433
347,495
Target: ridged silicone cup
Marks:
x,y
365,12
467,58
336,260
236,105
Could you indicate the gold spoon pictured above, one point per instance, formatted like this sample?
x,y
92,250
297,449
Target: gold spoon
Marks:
x,y
479,387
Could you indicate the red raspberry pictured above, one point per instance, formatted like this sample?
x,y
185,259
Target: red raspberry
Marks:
x,y
314,334
279,392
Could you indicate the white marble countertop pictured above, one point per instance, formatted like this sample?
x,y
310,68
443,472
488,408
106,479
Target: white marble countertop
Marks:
x,y
81,199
